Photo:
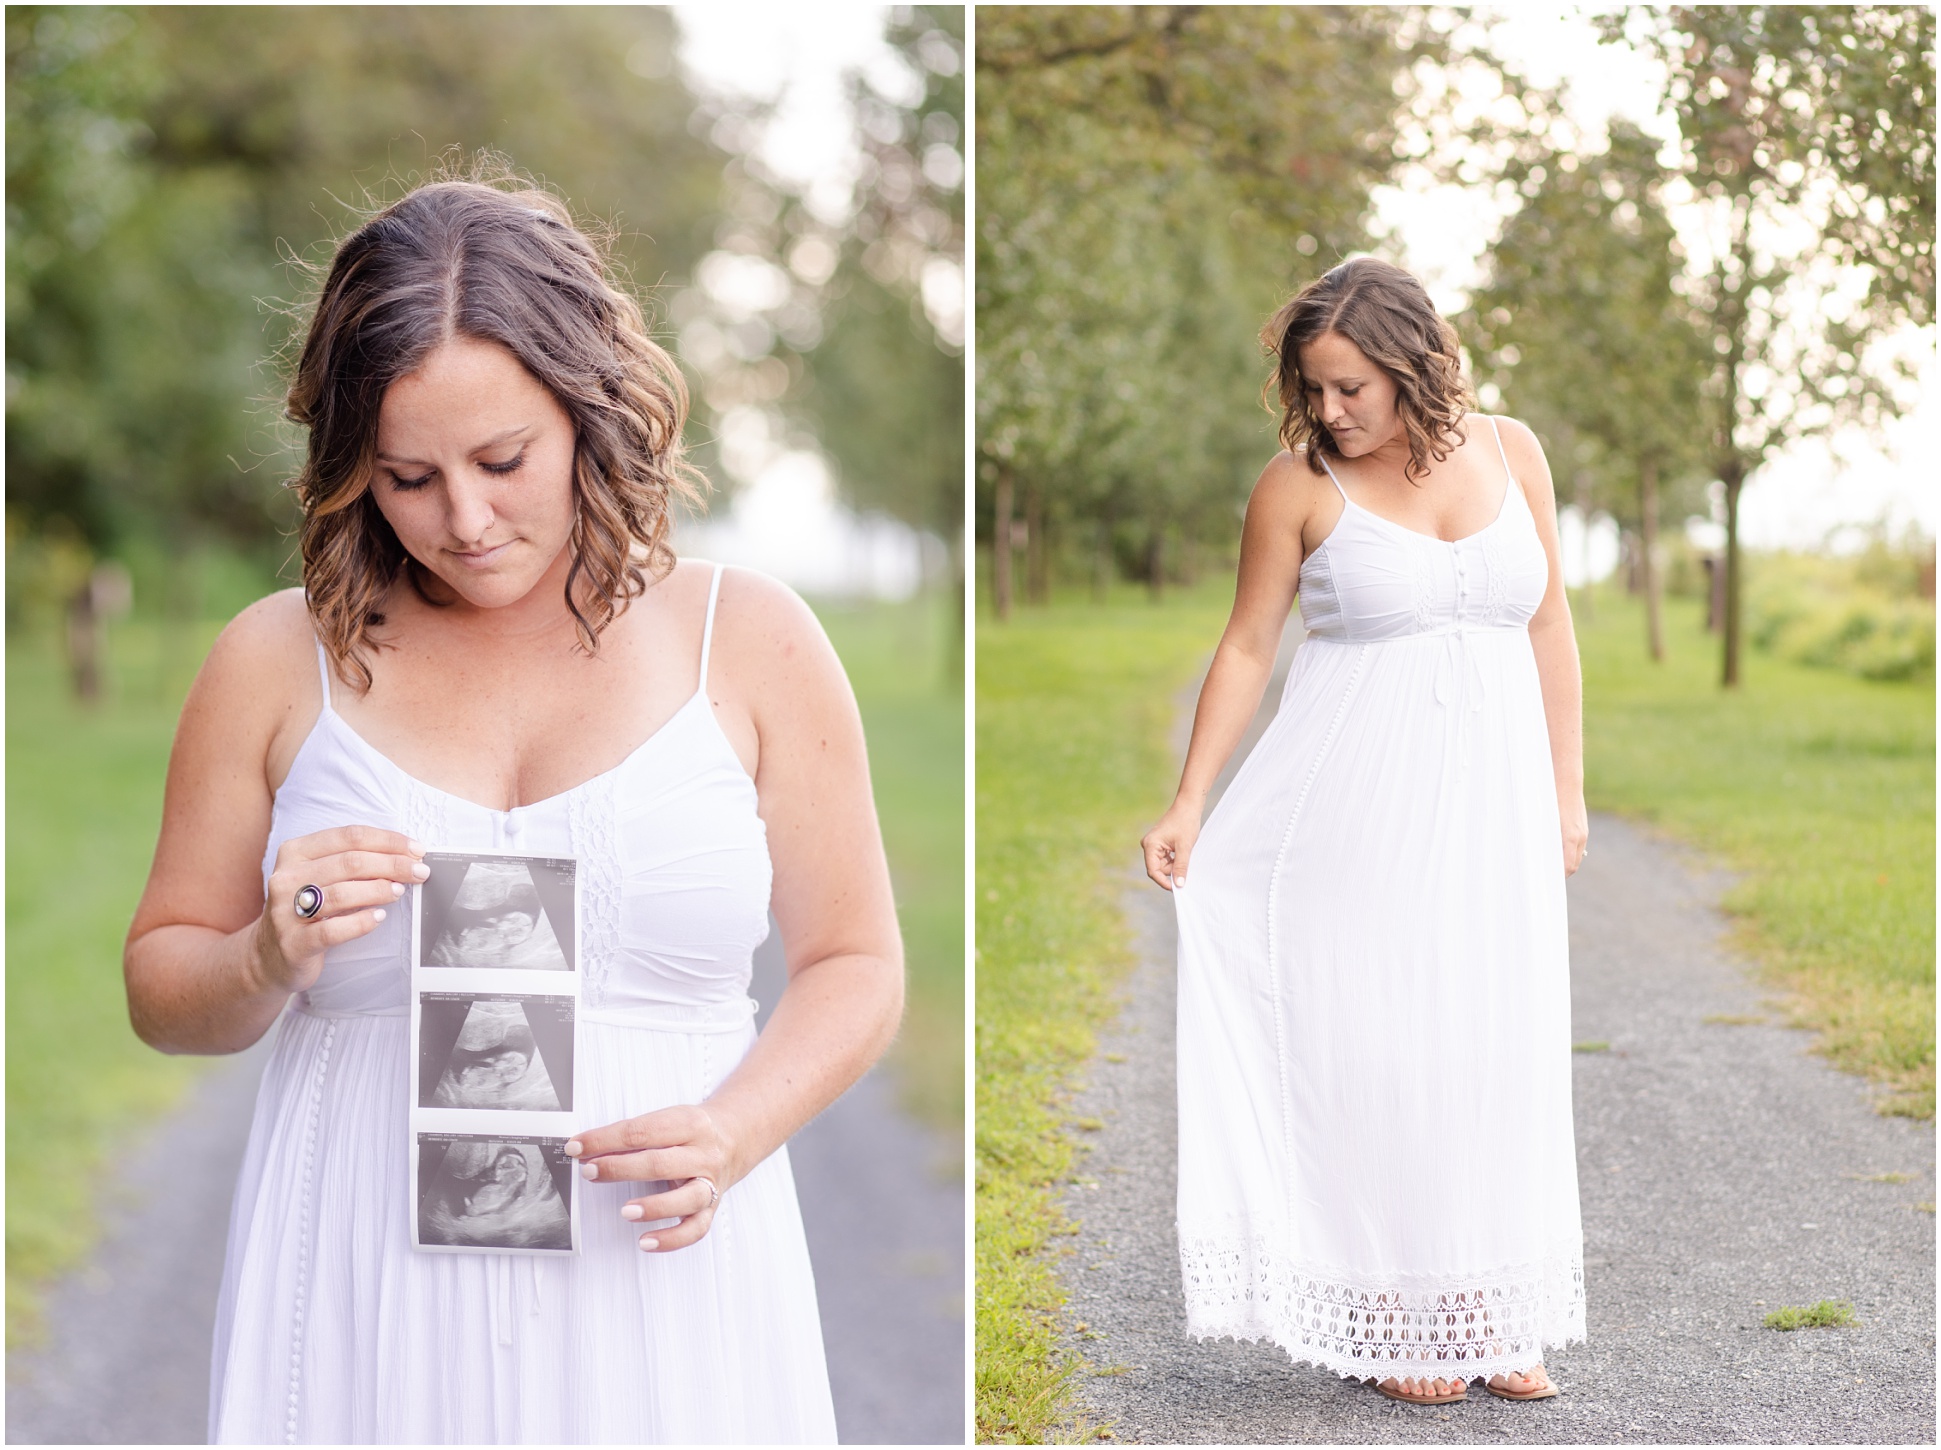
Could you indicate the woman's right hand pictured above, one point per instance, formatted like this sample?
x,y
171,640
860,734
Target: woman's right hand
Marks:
x,y
1169,844
361,871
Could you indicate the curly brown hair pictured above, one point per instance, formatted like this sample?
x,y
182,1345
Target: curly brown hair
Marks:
x,y
494,258
1386,313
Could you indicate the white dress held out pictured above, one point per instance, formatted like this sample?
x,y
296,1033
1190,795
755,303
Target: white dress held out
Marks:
x,y
1376,1159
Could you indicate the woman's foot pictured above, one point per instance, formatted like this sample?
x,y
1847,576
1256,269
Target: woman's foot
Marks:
x,y
1530,1384
1417,1391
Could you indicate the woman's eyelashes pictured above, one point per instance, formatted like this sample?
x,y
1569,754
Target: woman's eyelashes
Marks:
x,y
510,465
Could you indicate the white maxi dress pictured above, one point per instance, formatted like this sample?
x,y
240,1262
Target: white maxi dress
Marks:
x,y
332,1329
1376,1161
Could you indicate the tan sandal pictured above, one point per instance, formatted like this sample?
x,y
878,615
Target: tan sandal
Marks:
x,y
1398,1393
1548,1390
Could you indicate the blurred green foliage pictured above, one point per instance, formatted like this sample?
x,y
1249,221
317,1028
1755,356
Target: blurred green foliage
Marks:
x,y
1807,133
1581,328
1152,182
881,357
1862,614
170,169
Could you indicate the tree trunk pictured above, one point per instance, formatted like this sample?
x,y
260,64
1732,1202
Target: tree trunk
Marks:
x,y
84,644
1648,558
954,647
1732,462
1037,553
1001,546
1583,502
1102,557
1734,482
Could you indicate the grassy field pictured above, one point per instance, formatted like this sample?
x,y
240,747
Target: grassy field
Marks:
x,y
84,792
895,658
1073,708
1818,788
84,797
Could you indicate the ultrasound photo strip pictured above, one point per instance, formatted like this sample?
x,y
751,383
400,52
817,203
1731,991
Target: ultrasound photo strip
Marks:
x,y
495,1007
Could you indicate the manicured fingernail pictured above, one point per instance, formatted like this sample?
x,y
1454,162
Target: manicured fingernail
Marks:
x,y
589,1170
414,847
420,870
397,890
648,1244
633,1210
574,1147
378,915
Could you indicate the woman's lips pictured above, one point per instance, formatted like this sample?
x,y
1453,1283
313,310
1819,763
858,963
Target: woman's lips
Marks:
x,y
479,558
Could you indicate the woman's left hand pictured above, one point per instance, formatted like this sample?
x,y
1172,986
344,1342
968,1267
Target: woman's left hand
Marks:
x,y
1577,832
684,1147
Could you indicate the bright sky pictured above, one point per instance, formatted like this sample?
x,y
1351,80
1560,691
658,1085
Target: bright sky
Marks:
x,y
1814,494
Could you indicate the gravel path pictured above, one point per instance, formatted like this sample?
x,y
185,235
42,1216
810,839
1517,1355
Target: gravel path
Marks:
x,y
126,1360
1724,1172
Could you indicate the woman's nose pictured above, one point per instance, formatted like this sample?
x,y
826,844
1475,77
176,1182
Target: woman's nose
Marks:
x,y
471,511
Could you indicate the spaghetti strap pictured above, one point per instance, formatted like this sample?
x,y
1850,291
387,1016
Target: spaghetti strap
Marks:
x,y
707,629
1499,450
1337,482
323,673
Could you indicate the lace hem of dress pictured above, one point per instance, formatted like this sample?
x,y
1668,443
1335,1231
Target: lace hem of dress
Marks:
x,y
1479,1324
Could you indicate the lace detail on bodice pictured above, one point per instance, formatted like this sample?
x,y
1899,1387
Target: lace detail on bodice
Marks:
x,y
1425,591
1492,1324
424,813
593,821
1495,570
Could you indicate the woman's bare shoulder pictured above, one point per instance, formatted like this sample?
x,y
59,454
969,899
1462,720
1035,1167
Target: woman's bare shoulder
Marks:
x,y
262,669
760,617
1520,442
1287,482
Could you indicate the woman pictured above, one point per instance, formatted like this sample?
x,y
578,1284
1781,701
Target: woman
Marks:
x,y
496,652
1376,1160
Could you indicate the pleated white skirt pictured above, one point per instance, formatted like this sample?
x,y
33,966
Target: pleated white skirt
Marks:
x,y
332,1329
1377,1169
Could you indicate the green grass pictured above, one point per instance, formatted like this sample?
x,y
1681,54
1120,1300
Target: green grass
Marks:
x,y
1817,787
1827,1314
84,791
84,799
895,655
1074,706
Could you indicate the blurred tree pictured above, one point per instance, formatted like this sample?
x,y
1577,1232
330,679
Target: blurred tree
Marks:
x,y
1813,121
883,388
1152,180
1581,327
831,315
161,159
